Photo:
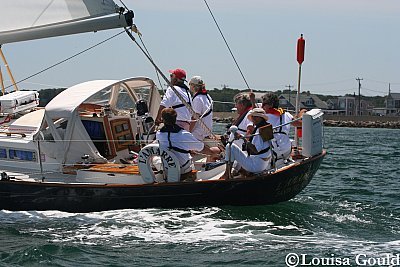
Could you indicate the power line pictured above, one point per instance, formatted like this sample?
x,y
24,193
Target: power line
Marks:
x,y
381,81
372,90
325,83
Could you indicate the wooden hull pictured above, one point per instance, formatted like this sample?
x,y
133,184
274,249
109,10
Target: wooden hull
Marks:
x,y
258,190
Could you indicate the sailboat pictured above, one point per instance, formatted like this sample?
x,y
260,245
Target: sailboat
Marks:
x,y
71,155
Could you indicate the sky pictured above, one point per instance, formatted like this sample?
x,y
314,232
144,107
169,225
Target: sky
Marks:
x,y
345,40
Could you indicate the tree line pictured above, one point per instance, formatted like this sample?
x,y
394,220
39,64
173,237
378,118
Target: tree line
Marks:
x,y
223,97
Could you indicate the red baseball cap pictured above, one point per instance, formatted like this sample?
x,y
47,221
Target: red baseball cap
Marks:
x,y
179,73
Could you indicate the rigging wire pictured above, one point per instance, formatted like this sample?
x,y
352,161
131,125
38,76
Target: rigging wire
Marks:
x,y
124,5
64,60
135,29
202,124
158,75
223,37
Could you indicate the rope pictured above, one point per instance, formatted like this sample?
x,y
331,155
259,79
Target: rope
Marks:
x,y
194,114
223,37
273,128
105,140
158,75
224,102
62,61
136,30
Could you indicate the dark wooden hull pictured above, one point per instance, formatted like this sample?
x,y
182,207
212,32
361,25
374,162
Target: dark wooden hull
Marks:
x,y
258,190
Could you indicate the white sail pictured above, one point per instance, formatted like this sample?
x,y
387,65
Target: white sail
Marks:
x,y
22,20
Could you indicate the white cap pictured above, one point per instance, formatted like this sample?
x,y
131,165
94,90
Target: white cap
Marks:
x,y
196,80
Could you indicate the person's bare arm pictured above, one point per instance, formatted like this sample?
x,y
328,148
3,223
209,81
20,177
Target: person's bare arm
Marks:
x,y
299,115
158,118
210,150
250,130
193,123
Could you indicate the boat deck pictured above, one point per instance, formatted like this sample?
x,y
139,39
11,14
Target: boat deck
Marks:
x,y
106,170
30,175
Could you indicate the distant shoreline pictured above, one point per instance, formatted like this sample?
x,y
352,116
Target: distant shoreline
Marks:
x,y
334,121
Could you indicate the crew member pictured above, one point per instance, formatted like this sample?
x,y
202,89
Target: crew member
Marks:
x,y
257,158
202,104
245,125
277,116
171,100
179,141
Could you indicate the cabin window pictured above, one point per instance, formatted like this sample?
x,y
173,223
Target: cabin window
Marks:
x,y
3,153
124,101
122,133
100,98
143,93
22,155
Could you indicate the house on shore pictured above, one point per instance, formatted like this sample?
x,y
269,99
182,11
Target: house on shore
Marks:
x,y
348,106
393,104
288,101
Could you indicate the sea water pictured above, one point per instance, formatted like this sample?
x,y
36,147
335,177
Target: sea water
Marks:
x,y
348,215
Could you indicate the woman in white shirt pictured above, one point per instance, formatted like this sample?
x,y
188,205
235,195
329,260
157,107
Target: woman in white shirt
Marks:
x,y
257,158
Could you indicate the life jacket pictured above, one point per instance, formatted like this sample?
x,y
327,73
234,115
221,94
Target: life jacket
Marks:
x,y
259,125
204,92
173,129
278,112
186,89
241,118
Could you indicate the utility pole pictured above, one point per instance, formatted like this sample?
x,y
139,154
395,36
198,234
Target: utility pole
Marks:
x,y
288,86
359,95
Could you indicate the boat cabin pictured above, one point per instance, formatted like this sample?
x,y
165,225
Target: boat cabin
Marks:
x,y
93,122
99,120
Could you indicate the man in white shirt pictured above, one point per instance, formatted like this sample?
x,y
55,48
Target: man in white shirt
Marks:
x,y
257,158
171,100
180,141
202,104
